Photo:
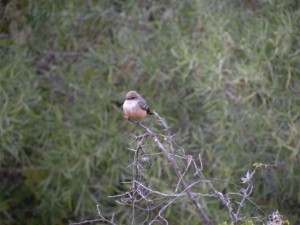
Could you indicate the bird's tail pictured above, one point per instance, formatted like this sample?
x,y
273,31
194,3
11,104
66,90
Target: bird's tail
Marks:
x,y
149,111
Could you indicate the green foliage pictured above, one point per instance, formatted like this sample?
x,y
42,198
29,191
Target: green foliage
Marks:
x,y
224,74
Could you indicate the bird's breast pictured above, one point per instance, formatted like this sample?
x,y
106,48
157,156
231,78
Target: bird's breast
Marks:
x,y
132,110
130,105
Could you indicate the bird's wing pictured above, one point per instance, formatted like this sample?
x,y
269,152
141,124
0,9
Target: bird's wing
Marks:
x,y
144,106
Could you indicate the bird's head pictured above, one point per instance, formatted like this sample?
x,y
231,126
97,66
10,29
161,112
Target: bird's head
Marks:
x,y
131,95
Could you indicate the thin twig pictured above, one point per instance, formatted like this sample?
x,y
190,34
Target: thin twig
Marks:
x,y
188,165
171,159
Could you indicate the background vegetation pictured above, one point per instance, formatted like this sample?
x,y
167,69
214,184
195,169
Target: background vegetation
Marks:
x,y
224,74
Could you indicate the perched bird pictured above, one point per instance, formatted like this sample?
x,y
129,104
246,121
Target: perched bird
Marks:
x,y
135,107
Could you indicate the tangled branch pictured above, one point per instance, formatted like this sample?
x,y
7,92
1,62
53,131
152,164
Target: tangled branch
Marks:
x,y
142,197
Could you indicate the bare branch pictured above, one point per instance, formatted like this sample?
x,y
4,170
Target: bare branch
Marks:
x,y
171,159
102,219
144,198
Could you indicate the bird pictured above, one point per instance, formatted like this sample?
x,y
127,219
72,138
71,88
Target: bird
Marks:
x,y
135,106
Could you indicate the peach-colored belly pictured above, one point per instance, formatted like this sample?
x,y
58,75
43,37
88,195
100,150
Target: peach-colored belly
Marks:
x,y
133,111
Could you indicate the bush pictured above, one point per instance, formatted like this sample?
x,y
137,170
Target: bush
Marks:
x,y
225,75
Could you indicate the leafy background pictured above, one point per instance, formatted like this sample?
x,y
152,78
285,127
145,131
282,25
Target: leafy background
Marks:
x,y
224,74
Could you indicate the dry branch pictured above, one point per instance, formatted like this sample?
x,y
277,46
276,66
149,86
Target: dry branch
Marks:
x,y
142,193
